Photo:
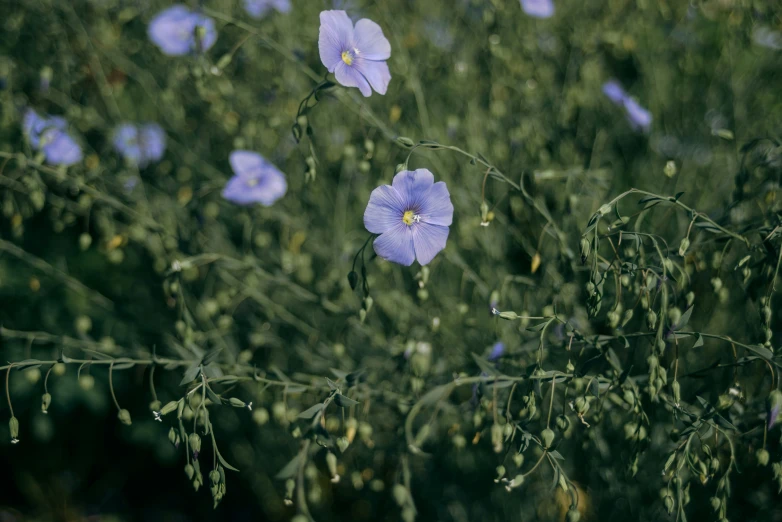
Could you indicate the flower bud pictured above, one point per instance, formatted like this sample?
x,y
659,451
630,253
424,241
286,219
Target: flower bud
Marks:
x,y
195,444
46,400
168,408
714,465
604,210
508,316
683,246
762,456
651,319
172,436
237,403
581,405
674,315
189,471
214,477
13,427
155,406
124,417
677,394
563,423
547,436
585,249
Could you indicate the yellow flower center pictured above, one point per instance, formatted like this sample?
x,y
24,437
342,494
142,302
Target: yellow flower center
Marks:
x,y
347,57
251,182
409,217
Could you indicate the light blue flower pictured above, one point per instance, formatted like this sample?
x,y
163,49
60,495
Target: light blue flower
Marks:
x,y
357,56
140,144
49,135
538,8
255,180
174,31
638,117
259,8
412,216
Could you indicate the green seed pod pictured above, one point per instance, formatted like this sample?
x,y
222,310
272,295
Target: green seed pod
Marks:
x,y
651,319
762,456
496,437
669,504
169,407
573,515
683,246
518,459
155,406
563,423
674,315
400,494
581,405
342,444
766,313
189,471
547,436
214,477
590,288
237,403
627,317
172,436
517,481
613,319
715,503
331,462
677,394
714,465
500,472
195,444
46,400
124,417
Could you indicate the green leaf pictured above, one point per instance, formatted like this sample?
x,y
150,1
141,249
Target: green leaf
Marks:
x,y
290,469
225,463
311,411
344,402
485,365
211,356
678,195
332,384
698,341
191,374
435,394
557,455
213,396
685,318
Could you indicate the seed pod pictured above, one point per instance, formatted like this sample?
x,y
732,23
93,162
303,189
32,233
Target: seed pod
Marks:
x,y
169,407
762,456
651,319
195,444
237,403
331,462
715,503
573,515
766,313
581,405
547,436
683,246
669,504
172,436
714,465
189,471
46,400
13,427
585,249
563,423
677,394
214,477
124,417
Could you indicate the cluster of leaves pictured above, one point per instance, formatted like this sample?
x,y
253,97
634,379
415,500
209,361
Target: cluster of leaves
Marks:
x,y
638,330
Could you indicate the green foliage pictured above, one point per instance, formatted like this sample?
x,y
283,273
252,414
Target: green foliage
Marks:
x,y
631,276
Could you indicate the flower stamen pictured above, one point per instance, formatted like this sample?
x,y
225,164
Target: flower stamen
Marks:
x,y
347,57
410,217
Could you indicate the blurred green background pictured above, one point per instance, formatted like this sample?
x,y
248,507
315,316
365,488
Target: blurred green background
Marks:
x,y
86,255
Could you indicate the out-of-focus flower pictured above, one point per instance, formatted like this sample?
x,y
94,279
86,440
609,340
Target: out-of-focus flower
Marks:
x,y
49,135
538,8
765,37
259,8
178,31
357,56
439,34
140,144
497,351
412,216
638,117
255,180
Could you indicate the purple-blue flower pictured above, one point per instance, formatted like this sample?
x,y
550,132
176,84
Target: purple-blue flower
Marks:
x,y
255,180
49,135
412,216
538,8
496,351
639,118
140,144
175,29
357,56
259,8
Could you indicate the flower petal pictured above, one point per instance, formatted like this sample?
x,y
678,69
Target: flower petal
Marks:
x,y
412,184
396,244
436,207
246,163
172,30
335,36
60,149
376,73
152,140
538,8
369,40
351,77
271,187
614,91
639,117
428,241
384,210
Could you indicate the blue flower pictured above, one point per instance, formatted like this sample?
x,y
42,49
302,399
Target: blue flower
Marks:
x,y
255,180
174,30
140,144
357,56
259,8
538,8
49,135
638,117
412,216
496,351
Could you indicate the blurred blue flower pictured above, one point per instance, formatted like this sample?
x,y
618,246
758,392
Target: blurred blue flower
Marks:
x,y
49,135
357,57
538,8
255,180
639,117
174,31
412,216
768,38
496,351
259,8
140,144
439,34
